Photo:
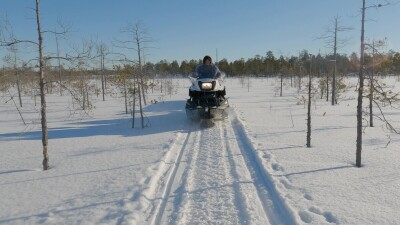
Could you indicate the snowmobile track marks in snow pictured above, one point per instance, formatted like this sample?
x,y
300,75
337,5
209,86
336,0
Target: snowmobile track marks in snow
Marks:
x,y
275,207
180,143
217,178
210,193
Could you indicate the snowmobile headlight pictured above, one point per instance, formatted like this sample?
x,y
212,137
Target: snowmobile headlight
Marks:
x,y
206,86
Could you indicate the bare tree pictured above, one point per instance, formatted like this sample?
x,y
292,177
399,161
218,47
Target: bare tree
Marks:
x,y
139,33
102,51
15,104
122,81
309,106
12,59
59,66
361,84
8,39
14,50
332,41
138,44
374,47
134,105
58,36
42,91
385,97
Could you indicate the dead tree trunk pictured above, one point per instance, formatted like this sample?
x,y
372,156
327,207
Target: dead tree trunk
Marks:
x,y
18,87
371,87
59,67
334,67
309,109
139,52
360,92
125,95
327,86
133,104
103,78
140,101
14,50
42,92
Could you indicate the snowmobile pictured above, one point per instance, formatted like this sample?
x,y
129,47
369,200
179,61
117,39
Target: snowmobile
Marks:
x,y
206,94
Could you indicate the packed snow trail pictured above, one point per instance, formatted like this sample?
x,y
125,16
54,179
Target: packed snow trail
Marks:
x,y
217,180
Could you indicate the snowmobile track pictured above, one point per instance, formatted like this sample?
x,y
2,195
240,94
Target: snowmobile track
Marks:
x,y
164,199
275,207
218,178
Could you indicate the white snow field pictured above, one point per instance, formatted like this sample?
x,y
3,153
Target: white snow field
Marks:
x,y
252,167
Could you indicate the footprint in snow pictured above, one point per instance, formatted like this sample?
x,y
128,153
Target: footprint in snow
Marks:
x,y
267,156
315,210
305,217
329,217
277,167
308,197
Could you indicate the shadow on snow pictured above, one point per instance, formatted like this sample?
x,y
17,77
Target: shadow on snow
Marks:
x,y
162,117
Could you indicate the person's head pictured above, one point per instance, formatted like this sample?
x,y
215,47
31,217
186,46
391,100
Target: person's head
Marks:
x,y
207,60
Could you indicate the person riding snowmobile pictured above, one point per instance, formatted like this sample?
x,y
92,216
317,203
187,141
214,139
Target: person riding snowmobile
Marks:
x,y
208,69
207,92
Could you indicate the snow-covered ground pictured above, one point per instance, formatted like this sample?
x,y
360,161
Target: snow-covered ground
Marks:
x,y
253,167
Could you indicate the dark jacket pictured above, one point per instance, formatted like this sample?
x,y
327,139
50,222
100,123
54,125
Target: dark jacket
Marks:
x,y
208,71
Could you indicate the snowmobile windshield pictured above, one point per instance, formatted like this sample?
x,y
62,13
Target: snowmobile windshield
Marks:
x,y
208,71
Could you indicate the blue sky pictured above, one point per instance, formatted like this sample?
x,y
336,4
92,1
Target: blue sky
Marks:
x,y
183,29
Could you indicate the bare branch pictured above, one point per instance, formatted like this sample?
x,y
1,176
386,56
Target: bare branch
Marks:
x,y
383,118
331,34
7,37
14,42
